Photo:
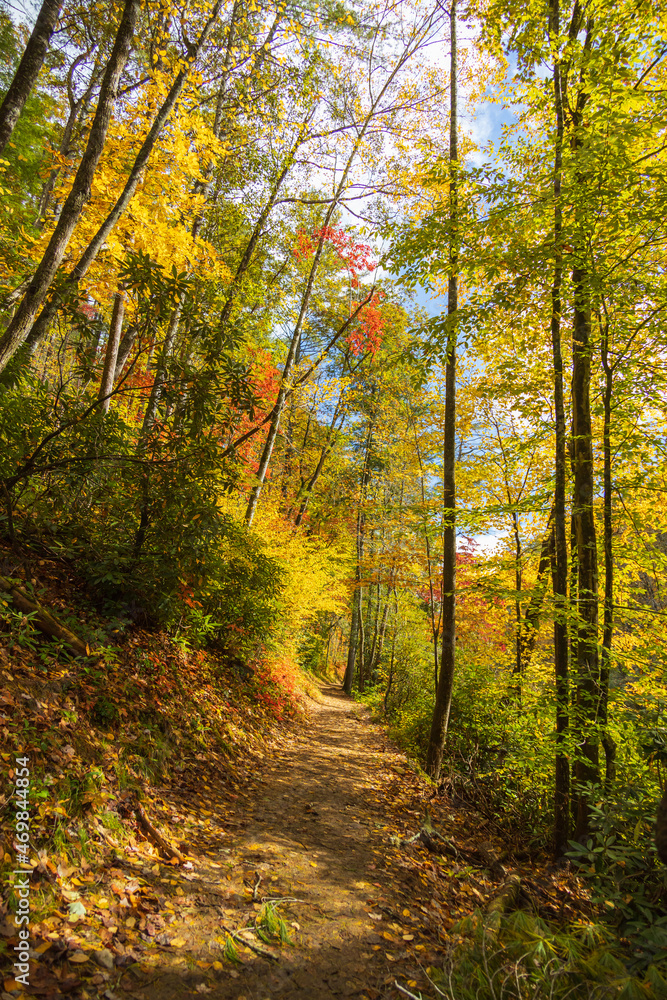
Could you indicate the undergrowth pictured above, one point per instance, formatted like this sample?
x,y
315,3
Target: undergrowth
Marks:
x,y
519,957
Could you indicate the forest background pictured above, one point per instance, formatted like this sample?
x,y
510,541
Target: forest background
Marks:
x,y
223,408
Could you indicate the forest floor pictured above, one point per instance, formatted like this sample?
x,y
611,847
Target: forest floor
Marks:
x,y
311,840
281,868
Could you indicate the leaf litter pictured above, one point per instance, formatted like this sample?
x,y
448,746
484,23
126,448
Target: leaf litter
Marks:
x,y
300,873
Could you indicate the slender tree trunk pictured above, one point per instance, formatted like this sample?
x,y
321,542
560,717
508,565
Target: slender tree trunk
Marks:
x,y
608,627
443,699
356,601
296,337
518,583
76,200
125,349
375,663
329,445
435,626
587,681
287,370
356,610
560,574
28,69
588,676
531,619
362,646
111,356
89,255
373,606
392,660
160,374
77,111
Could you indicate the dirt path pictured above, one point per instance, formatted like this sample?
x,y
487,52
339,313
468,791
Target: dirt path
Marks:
x,y
316,834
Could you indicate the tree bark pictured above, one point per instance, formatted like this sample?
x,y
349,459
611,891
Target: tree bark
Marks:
x,y
518,583
28,69
160,374
362,645
356,601
43,619
125,349
356,613
329,444
435,626
587,692
608,626
111,356
588,677
560,574
78,109
41,326
375,663
531,619
22,321
443,700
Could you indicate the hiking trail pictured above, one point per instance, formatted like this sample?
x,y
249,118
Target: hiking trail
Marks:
x,y
314,838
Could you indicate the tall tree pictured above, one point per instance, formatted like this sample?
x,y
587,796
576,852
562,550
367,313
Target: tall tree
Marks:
x,y
79,194
28,69
560,574
587,667
443,700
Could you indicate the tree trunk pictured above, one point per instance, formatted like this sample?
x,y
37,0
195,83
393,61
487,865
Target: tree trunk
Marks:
x,y
111,356
435,626
22,321
588,677
443,699
160,374
376,628
608,627
356,601
125,349
362,646
518,583
296,337
560,574
356,612
380,643
307,490
78,109
392,660
90,253
531,619
28,69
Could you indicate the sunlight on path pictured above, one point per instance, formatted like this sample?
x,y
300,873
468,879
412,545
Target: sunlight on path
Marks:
x,y
312,840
